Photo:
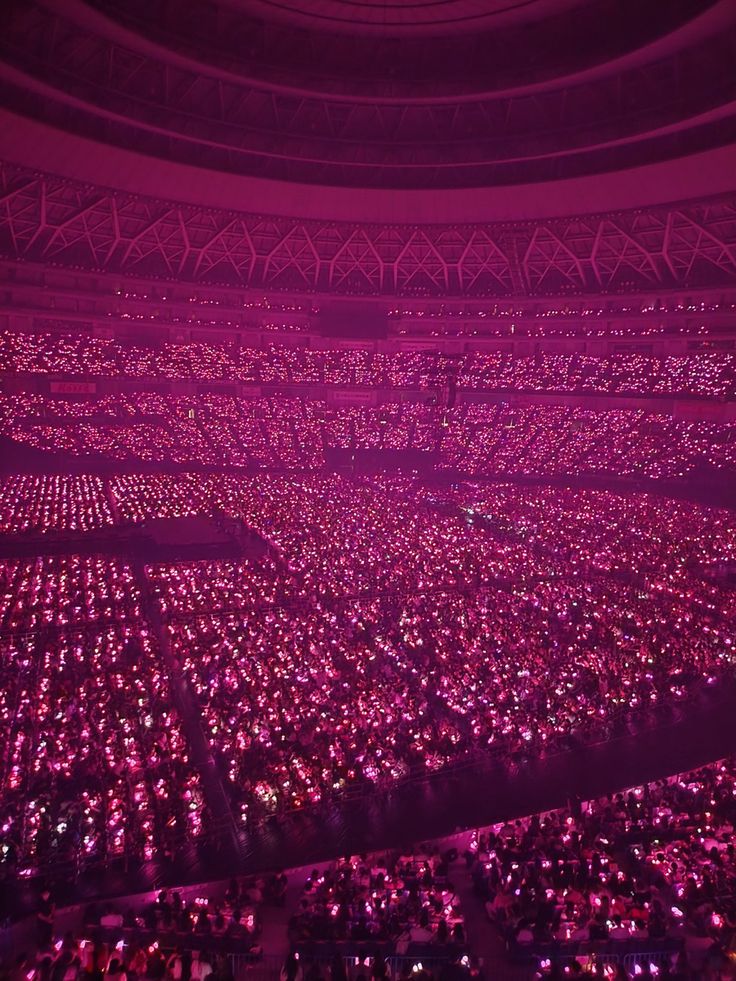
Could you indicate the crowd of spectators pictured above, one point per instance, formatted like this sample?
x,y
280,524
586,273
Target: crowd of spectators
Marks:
x,y
94,764
596,530
554,440
447,628
432,680
53,503
593,530
639,883
77,959
294,433
406,901
336,537
219,913
181,933
387,628
638,868
698,373
672,546
214,430
58,591
701,373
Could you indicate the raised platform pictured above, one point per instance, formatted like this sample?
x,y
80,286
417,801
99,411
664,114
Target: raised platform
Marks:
x,y
184,539
197,537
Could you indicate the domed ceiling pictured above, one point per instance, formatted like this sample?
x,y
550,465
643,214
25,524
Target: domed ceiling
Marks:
x,y
394,17
401,94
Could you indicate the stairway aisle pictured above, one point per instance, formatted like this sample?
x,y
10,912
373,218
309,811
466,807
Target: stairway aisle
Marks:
x,y
484,941
217,799
112,503
275,934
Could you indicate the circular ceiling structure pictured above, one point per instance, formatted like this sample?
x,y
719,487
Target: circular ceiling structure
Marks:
x,y
402,52
392,17
399,96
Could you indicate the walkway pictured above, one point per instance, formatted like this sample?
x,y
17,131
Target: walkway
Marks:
x,y
484,942
223,822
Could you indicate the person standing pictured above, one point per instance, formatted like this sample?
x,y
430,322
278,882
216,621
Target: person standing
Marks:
x,y
45,920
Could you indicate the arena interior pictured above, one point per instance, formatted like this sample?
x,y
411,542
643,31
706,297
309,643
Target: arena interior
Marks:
x,y
367,499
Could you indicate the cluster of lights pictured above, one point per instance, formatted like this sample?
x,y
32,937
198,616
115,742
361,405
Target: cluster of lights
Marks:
x,y
88,704
292,433
264,658
386,895
261,304
701,373
599,886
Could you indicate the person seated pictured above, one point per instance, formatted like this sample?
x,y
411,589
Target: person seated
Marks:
x,y
639,931
618,931
420,933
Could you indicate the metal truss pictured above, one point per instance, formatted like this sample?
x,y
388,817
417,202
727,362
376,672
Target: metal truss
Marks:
x,y
366,63
48,219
